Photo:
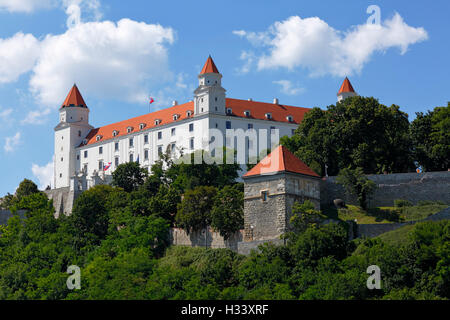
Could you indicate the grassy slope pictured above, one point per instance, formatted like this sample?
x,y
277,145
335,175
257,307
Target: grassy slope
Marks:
x,y
397,237
383,214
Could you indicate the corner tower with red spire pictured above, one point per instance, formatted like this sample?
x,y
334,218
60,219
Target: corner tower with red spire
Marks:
x,y
209,97
73,127
346,90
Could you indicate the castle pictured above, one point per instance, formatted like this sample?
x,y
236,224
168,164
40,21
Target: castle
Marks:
x,y
86,156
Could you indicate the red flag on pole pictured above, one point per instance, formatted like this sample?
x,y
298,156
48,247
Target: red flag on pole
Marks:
x,y
151,100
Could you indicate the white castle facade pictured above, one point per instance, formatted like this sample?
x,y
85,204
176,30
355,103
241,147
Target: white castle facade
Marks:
x,y
86,156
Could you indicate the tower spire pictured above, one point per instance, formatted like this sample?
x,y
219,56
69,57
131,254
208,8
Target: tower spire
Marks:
x,y
209,66
346,90
74,98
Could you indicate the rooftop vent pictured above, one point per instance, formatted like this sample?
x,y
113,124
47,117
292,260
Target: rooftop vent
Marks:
x,y
174,102
275,101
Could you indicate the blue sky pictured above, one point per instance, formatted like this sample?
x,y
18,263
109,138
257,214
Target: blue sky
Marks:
x,y
121,52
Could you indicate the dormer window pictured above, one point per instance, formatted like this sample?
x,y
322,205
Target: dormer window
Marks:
x,y
129,129
188,113
84,141
98,137
175,117
289,118
141,126
115,133
157,122
247,113
268,116
229,111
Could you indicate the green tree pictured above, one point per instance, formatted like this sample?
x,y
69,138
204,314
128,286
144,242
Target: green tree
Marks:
x,y
227,214
304,215
357,184
129,176
194,211
89,220
357,132
26,188
430,135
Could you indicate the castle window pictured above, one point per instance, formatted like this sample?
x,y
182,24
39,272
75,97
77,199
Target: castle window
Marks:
x,y
264,195
116,162
146,154
100,165
173,131
192,144
228,124
159,135
116,146
142,126
98,137
172,147
188,113
191,127
269,115
131,141
175,117
129,129
292,131
215,97
157,122
115,132
84,141
146,139
131,157
78,157
100,150
79,133
272,129
160,150
60,175
229,111
247,113
250,126
289,118
61,159
85,154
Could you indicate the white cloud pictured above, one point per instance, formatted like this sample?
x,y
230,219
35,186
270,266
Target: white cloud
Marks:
x,y
125,60
44,174
27,6
36,117
18,55
312,44
288,88
105,59
4,115
12,142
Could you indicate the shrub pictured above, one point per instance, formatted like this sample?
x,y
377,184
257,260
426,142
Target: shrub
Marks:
x,y
425,203
402,203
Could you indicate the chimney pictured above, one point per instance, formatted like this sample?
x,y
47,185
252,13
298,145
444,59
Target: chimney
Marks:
x,y
174,102
275,101
250,99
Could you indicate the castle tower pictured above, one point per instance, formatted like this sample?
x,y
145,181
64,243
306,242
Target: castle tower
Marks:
x,y
73,127
209,97
346,90
270,190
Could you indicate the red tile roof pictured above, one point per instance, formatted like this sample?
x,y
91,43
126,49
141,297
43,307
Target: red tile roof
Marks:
x,y
257,110
346,86
209,66
74,98
280,160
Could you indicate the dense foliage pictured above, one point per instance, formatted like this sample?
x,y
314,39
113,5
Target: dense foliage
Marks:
x,y
126,256
430,134
361,132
